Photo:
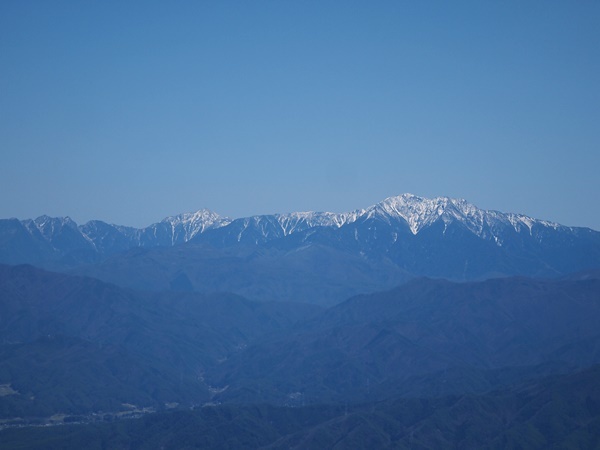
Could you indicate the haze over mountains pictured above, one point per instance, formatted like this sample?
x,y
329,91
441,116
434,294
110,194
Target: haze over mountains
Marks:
x,y
382,368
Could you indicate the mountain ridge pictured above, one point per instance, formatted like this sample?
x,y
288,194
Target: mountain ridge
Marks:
x,y
325,256
417,211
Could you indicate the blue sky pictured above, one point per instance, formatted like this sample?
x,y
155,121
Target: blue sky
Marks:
x,y
132,111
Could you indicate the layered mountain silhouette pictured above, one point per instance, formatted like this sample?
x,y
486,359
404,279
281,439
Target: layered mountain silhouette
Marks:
x,y
322,258
386,225
77,345
427,337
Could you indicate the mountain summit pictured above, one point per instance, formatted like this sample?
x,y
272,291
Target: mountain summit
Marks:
x,y
419,213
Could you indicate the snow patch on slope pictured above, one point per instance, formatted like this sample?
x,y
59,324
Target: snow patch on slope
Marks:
x,y
187,225
300,221
419,213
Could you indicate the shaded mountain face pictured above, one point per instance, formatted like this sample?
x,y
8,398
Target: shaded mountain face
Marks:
x,y
60,242
72,344
427,337
315,273
313,257
76,345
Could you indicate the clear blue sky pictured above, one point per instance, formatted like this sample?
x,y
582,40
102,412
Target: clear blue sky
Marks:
x,y
132,111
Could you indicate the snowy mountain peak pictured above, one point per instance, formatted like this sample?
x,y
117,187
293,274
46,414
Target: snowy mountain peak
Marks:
x,y
188,225
204,217
420,212
48,226
45,220
417,212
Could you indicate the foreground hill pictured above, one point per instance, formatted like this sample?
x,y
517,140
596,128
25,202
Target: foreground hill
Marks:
x,y
318,257
427,337
552,413
74,345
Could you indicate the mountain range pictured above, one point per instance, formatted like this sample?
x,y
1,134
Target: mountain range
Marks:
x,y
61,238
413,323
318,257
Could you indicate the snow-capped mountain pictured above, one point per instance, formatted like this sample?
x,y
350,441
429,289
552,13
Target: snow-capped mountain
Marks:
x,y
300,221
419,213
261,229
406,210
50,239
441,237
185,226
